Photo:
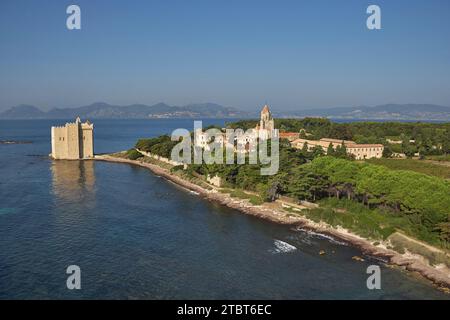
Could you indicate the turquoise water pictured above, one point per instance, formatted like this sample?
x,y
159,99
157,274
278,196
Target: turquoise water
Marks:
x,y
137,236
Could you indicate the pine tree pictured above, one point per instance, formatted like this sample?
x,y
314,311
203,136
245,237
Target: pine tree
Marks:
x,y
305,148
330,150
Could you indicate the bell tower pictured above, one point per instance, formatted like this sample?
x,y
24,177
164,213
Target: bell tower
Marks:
x,y
266,123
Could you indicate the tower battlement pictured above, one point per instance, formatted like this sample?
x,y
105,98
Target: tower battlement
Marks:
x,y
74,140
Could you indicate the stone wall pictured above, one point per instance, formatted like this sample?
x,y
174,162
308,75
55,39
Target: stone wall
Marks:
x,y
87,142
73,141
59,143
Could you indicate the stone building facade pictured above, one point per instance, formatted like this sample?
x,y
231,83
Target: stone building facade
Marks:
x,y
359,151
266,125
265,129
73,141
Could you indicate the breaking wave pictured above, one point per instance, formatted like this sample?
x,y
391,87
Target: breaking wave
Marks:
x,y
282,247
324,236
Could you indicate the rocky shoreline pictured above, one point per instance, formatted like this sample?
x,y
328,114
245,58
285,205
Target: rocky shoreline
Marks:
x,y
440,276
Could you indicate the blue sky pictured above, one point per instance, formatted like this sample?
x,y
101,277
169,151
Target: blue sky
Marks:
x,y
294,54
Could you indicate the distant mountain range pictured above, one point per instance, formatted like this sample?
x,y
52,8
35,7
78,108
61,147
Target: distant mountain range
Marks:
x,y
382,112
101,110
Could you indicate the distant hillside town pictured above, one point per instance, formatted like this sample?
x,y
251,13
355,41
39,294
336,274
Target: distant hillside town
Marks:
x,y
101,110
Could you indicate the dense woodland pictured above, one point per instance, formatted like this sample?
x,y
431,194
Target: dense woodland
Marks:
x,y
413,202
417,203
161,145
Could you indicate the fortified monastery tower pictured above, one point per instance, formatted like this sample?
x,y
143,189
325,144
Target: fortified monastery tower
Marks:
x,y
73,141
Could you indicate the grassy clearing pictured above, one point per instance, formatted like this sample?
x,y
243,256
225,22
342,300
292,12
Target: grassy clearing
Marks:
x,y
414,165
237,193
368,223
157,162
121,154
444,157
178,171
374,224
131,154
435,257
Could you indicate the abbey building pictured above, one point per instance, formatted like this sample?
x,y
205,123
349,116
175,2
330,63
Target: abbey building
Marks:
x,y
264,130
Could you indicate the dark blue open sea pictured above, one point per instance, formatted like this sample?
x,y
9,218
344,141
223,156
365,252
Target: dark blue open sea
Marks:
x,y
137,236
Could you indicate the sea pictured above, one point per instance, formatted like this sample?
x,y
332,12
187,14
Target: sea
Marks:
x,y
134,235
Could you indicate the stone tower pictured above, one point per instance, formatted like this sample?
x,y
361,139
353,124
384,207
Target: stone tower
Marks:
x,y
266,123
73,141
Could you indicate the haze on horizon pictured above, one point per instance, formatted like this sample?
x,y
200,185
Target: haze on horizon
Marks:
x,y
292,54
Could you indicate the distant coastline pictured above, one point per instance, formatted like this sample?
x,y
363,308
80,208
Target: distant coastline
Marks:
x,y
208,110
439,275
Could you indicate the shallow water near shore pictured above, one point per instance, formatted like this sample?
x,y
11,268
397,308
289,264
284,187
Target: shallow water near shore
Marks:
x,y
137,236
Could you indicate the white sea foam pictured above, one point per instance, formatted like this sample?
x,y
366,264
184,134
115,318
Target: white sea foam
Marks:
x,y
283,247
324,236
